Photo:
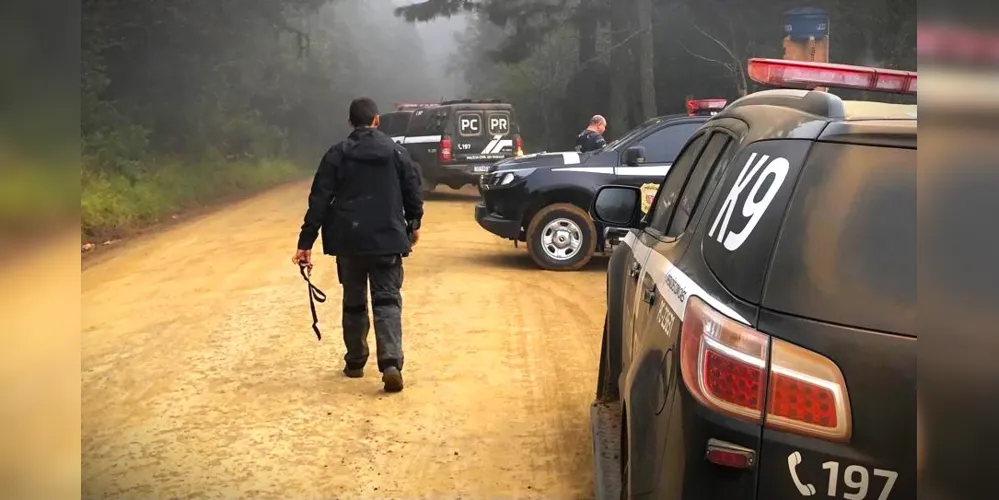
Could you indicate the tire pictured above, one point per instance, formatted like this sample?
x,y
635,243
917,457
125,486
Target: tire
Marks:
x,y
604,375
625,463
571,235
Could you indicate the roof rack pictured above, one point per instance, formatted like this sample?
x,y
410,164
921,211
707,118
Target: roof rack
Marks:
x,y
472,101
404,106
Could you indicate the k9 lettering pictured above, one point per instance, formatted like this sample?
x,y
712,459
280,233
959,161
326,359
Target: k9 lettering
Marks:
x,y
751,207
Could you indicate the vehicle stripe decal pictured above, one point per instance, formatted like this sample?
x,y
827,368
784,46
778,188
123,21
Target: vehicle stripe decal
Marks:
x,y
644,171
420,139
683,287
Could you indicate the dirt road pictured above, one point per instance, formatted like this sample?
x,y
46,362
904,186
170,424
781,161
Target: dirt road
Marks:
x,y
202,377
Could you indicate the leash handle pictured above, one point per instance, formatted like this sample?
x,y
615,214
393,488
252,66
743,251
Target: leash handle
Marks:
x,y
315,295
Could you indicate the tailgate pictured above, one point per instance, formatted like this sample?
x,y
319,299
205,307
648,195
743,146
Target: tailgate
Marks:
x,y
878,460
484,135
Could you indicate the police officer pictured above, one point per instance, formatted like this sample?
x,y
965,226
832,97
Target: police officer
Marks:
x,y
366,200
592,138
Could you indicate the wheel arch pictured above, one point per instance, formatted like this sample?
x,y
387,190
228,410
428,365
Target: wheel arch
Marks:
x,y
573,195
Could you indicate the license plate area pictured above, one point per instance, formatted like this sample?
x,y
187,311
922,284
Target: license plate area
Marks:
x,y
480,168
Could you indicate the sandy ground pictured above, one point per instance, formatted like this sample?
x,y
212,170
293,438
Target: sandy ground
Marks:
x,y
202,378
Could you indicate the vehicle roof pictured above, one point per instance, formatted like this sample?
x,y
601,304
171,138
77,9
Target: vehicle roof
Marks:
x,y
816,115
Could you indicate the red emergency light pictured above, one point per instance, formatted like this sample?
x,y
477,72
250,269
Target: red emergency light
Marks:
x,y
809,75
403,106
700,107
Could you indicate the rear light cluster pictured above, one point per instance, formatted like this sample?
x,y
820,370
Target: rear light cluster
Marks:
x,y
798,74
518,146
701,107
444,151
725,366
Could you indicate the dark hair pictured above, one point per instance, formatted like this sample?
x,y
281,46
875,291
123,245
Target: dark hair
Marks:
x,y
362,112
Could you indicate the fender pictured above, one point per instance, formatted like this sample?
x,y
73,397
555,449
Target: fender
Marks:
x,y
609,388
577,195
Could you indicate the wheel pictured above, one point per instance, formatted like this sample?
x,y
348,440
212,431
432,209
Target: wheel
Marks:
x,y
625,464
604,375
561,237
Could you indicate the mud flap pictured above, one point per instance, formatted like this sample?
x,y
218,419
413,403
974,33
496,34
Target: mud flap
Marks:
x,y
605,425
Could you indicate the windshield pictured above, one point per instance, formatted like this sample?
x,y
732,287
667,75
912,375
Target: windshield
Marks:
x,y
617,143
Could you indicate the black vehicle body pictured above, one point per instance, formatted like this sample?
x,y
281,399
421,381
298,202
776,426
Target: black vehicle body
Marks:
x,y
456,142
788,220
516,190
395,124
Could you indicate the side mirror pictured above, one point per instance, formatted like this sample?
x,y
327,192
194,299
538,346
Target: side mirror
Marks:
x,y
618,206
634,156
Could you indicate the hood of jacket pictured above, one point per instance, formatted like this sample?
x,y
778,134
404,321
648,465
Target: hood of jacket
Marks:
x,y
368,145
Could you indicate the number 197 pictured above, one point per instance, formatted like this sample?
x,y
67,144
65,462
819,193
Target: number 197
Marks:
x,y
856,478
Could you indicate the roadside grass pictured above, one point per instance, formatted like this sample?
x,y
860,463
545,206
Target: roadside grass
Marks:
x,y
114,205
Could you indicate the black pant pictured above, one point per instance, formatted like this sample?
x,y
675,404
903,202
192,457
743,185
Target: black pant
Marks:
x,y
384,273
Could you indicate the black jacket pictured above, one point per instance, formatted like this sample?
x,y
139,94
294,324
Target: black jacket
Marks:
x,y
365,192
589,140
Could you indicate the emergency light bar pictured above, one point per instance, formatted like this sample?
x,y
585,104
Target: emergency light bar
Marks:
x,y
401,106
809,75
710,107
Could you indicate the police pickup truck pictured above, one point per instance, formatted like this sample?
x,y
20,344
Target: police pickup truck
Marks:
x,y
542,199
454,142
760,341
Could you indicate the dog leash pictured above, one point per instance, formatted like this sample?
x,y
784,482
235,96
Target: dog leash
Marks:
x,y
315,295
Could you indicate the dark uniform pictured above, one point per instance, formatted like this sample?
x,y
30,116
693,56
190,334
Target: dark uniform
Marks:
x,y
588,140
366,199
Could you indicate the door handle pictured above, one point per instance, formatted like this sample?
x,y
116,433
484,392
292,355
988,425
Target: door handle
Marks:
x,y
649,295
636,269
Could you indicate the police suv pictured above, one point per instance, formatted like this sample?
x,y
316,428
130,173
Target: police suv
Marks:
x,y
760,336
543,199
455,142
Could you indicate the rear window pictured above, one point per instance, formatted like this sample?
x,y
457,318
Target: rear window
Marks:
x,y
431,121
394,124
847,250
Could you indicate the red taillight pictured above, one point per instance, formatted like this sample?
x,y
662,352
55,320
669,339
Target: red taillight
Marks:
x,y
697,107
518,149
724,365
800,74
444,151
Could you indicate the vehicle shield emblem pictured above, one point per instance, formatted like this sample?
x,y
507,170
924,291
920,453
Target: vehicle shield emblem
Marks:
x,y
648,194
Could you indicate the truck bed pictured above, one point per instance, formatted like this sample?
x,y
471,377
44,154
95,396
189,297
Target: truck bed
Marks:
x,y
605,424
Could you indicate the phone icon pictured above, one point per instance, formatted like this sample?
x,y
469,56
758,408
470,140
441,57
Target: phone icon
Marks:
x,y
793,460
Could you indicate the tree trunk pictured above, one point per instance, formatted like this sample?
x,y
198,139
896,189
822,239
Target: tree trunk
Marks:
x,y
646,60
587,26
621,72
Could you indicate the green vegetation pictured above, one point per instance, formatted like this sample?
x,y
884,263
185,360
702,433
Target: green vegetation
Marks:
x,y
113,204
188,104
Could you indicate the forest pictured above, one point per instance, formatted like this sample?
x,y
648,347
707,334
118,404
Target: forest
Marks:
x,y
187,104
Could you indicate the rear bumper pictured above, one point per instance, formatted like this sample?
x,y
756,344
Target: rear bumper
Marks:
x,y
504,228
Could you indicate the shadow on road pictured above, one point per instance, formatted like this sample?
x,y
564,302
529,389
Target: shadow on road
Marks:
x,y
523,261
446,194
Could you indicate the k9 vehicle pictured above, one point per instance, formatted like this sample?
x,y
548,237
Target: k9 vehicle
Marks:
x,y
455,142
760,339
542,199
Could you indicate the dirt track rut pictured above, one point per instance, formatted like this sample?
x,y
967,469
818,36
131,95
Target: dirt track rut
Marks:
x,y
202,378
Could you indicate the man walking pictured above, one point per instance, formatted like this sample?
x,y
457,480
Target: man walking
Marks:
x,y
366,200
592,138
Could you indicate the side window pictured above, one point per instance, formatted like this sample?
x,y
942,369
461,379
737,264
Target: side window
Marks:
x,y
663,145
675,179
689,199
401,124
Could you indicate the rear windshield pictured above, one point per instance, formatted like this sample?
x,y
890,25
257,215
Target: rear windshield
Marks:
x,y
394,124
471,122
847,250
430,121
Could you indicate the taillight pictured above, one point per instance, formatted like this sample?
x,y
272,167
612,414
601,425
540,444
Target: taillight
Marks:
x,y
518,149
444,151
724,365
